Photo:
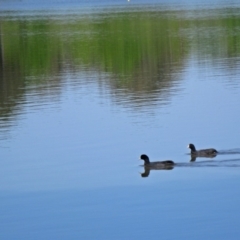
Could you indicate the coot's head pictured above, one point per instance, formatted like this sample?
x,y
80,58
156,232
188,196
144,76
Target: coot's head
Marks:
x,y
192,147
145,158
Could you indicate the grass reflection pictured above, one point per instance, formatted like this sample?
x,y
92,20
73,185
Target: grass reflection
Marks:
x,y
139,50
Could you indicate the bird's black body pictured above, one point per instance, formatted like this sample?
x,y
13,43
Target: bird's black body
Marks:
x,y
209,153
156,165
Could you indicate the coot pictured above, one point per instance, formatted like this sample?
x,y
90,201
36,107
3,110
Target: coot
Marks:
x,y
210,152
159,164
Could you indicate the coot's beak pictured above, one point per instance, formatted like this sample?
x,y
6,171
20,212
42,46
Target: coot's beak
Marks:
x,y
188,146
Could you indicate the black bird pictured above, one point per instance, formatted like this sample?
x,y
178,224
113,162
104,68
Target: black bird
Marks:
x,y
209,153
156,165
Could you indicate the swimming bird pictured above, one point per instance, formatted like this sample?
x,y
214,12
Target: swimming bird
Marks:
x,y
210,152
156,165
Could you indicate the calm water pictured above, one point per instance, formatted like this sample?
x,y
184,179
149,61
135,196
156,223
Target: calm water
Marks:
x,y
86,87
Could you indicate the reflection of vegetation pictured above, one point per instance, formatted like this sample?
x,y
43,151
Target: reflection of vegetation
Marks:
x,y
146,47
215,35
28,47
138,50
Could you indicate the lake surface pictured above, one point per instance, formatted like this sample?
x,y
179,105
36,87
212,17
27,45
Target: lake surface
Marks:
x,y
87,87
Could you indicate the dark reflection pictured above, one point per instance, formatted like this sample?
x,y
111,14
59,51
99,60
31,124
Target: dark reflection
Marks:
x,y
195,156
148,169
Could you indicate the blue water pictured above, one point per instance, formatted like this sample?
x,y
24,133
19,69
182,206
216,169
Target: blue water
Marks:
x,y
70,150
76,174
179,209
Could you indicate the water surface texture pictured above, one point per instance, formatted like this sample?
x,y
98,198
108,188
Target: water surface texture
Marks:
x,y
87,87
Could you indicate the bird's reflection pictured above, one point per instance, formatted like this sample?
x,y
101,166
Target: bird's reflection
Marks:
x,y
148,169
195,156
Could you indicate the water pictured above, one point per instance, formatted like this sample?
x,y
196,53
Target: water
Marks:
x,y
88,87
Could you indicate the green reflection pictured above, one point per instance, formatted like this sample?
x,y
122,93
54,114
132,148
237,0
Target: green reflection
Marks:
x,y
121,44
139,50
214,34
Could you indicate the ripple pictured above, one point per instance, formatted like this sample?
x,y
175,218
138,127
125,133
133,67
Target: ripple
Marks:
x,y
229,163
